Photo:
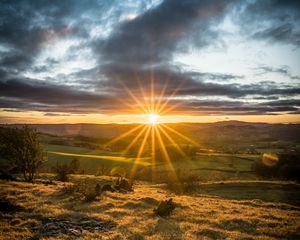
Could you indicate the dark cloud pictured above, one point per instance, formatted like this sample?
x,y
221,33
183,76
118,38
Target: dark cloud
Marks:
x,y
204,107
41,96
273,20
189,83
26,27
283,33
283,70
153,37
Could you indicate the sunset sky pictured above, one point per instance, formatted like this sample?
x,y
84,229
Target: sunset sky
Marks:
x,y
118,61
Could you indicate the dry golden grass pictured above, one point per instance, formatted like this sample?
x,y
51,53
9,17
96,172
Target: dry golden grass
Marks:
x,y
197,216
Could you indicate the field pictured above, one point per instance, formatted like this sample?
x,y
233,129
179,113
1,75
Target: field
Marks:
x,y
90,160
207,166
226,210
215,190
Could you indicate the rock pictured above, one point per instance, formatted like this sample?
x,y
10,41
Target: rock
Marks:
x,y
165,208
123,184
107,187
74,232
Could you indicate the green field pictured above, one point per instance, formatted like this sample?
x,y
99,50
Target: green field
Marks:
x,y
90,160
209,166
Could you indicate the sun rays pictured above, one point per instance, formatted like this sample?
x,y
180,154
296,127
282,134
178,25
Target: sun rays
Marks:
x,y
152,138
153,118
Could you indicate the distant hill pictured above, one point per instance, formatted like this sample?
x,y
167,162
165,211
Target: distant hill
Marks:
x,y
204,132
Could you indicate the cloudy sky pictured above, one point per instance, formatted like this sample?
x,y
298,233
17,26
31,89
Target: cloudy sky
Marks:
x,y
95,61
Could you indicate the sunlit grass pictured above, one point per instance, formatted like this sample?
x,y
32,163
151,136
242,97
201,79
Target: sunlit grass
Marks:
x,y
222,212
138,161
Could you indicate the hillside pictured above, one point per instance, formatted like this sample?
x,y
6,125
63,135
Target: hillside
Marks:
x,y
227,210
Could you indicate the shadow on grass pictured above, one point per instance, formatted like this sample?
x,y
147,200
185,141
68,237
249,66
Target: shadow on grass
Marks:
x,y
273,192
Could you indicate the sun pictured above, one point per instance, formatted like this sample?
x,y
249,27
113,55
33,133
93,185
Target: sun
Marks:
x,y
152,136
153,118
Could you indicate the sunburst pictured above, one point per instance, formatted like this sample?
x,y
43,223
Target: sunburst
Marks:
x,y
152,134
153,118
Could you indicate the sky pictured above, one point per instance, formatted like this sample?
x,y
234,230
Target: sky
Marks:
x,y
98,61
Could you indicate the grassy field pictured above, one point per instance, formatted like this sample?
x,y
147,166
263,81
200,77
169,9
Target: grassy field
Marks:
x,y
211,166
227,210
90,160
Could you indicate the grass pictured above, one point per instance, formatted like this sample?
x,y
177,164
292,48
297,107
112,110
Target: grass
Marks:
x,y
90,160
104,157
212,211
208,166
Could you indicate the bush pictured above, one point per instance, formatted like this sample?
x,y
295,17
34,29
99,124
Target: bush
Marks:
x,y
123,184
103,171
74,166
6,176
165,208
90,196
183,182
62,172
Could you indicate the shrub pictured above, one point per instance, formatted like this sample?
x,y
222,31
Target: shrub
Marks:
x,y
62,171
165,208
184,182
6,176
123,184
74,166
90,196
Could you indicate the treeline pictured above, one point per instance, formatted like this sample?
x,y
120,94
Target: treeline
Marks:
x,y
284,166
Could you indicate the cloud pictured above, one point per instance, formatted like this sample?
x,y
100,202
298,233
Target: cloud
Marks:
x,y
135,52
218,107
27,27
283,70
283,33
153,36
40,96
272,20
